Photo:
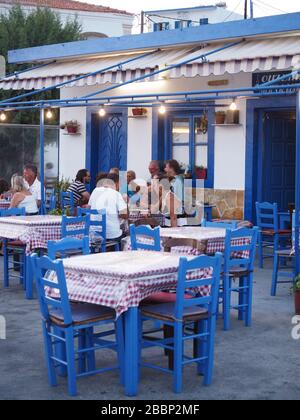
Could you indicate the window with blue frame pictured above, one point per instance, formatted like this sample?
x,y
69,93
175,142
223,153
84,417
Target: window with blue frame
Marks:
x,y
161,26
182,24
204,21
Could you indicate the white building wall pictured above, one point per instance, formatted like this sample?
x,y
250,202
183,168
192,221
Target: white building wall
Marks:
x,y
230,142
107,24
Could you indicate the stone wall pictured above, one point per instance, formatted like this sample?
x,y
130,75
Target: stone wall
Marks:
x,y
229,203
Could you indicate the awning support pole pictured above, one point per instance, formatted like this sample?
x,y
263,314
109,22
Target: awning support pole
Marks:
x,y
76,79
297,192
167,68
42,160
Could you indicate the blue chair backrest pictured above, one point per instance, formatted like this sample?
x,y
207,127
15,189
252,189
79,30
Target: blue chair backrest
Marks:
x,y
243,254
267,216
68,244
294,226
225,225
100,223
75,226
12,212
149,233
42,267
187,280
50,199
67,201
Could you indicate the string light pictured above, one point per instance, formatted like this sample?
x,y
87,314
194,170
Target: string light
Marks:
x,y
3,116
162,110
49,114
102,112
233,106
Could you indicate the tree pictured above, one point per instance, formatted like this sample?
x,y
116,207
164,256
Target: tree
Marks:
x,y
19,29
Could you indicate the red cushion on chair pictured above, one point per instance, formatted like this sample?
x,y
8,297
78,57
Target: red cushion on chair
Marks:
x,y
163,297
16,244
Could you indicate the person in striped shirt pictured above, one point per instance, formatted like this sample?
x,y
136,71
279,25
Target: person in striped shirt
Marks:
x,y
78,188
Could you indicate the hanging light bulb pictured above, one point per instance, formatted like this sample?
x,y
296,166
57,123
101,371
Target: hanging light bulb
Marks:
x,y
233,106
3,116
102,112
162,110
49,114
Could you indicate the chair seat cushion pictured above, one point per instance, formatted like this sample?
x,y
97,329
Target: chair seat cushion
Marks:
x,y
162,297
239,272
271,232
166,312
16,244
83,314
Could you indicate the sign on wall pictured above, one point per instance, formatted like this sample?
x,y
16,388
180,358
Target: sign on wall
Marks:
x,y
266,77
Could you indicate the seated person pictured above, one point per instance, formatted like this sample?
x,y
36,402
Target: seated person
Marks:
x,y
107,197
4,189
78,188
22,198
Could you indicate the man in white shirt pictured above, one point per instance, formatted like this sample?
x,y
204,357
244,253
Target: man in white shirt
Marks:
x,y
33,184
107,197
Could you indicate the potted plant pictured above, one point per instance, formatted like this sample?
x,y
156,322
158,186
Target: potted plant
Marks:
x,y
72,126
139,112
201,172
220,117
297,294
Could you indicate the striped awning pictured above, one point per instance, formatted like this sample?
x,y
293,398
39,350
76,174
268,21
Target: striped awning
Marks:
x,y
282,53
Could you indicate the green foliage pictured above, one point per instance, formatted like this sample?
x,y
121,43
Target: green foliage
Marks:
x,y
297,284
22,30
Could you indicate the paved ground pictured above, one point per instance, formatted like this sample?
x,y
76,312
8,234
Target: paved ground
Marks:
x,y
257,363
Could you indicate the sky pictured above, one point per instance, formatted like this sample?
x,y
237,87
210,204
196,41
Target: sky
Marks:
x,y
261,7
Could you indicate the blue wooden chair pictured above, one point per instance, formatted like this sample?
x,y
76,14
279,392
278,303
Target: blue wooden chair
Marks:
x,y
145,232
280,270
75,227
68,247
14,253
232,225
67,202
99,225
202,311
51,201
65,323
239,265
270,235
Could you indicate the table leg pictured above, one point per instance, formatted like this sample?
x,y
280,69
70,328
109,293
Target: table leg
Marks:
x,y
131,352
28,278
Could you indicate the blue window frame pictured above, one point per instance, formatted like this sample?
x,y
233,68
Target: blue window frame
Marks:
x,y
187,136
181,24
204,21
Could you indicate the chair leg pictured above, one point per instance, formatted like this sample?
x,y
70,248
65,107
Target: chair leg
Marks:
x,y
82,343
275,275
60,351
71,362
248,320
49,354
242,299
210,351
178,357
227,302
201,345
6,263
91,358
260,250
120,347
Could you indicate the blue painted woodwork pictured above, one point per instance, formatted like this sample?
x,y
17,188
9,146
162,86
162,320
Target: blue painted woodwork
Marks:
x,y
205,332
68,331
297,210
64,246
233,225
225,30
100,224
13,253
241,257
270,236
288,272
75,226
278,157
145,231
106,141
254,138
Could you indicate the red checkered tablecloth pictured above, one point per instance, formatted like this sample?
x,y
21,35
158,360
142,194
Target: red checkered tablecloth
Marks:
x,y
122,280
4,205
34,231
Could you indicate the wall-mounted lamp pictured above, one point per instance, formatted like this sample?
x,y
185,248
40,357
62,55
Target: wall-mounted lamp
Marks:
x,y
3,116
49,114
162,110
102,112
233,106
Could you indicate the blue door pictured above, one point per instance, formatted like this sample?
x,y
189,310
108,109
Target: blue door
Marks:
x,y
278,169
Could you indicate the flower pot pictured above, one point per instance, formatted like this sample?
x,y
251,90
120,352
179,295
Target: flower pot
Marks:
x,y
297,302
220,118
72,129
139,112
